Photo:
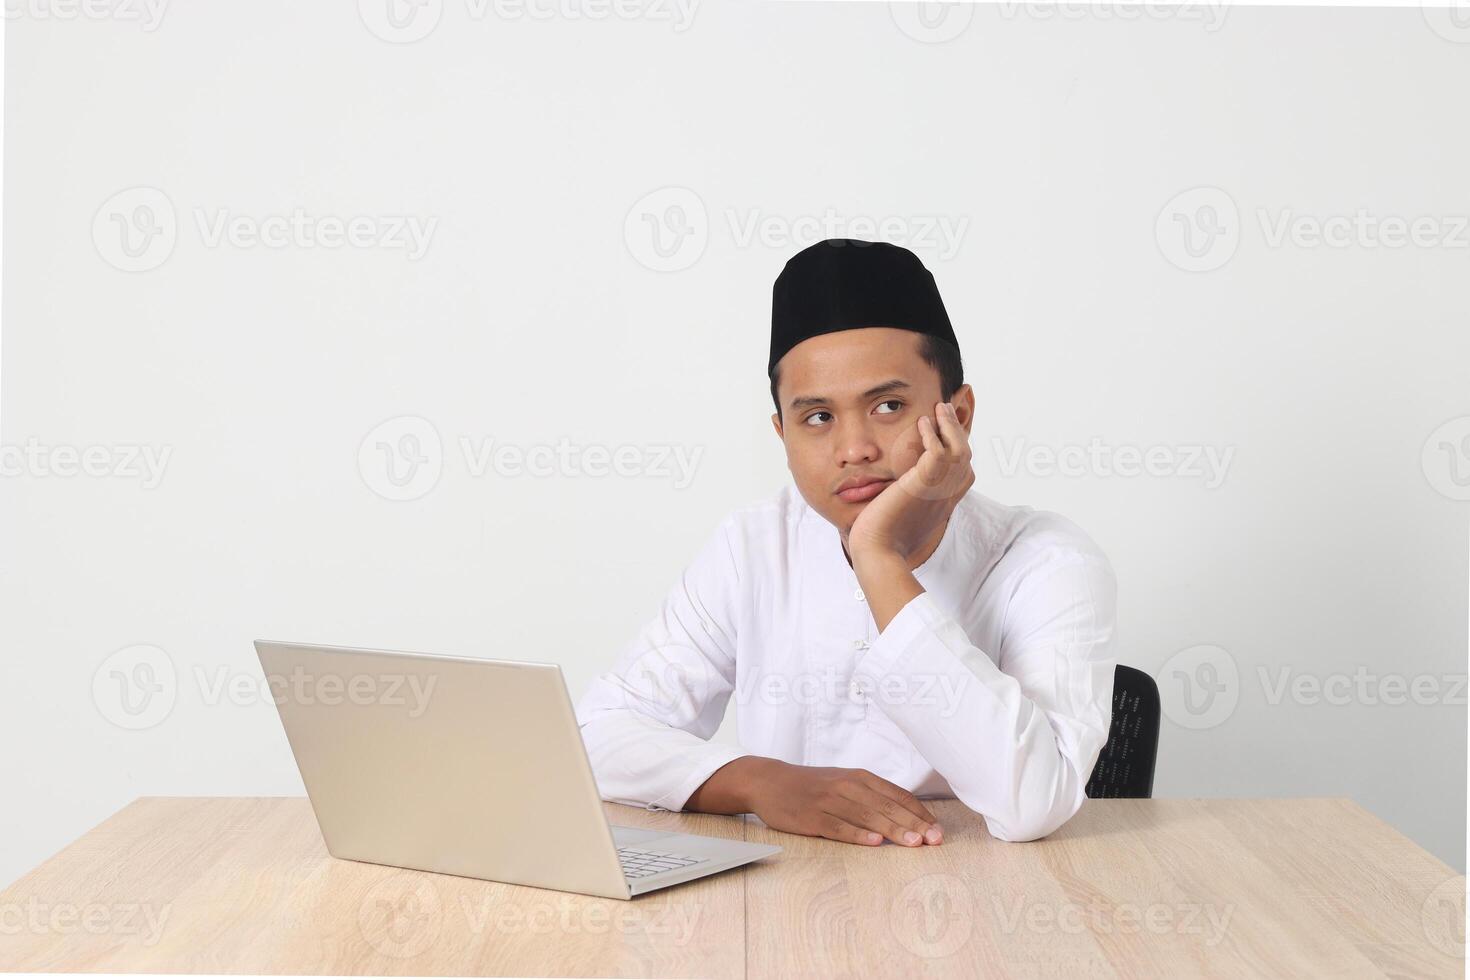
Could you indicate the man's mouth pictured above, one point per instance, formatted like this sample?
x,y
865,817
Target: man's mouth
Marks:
x,y
864,491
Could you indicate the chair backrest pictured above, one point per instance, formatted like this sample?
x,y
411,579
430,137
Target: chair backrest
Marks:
x,y
1125,767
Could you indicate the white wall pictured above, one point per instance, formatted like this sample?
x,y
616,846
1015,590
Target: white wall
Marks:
x,y
1055,147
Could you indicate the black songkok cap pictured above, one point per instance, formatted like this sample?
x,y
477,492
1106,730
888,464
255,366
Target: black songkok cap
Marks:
x,y
845,284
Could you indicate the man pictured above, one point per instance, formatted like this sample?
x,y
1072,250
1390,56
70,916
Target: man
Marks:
x,y
887,633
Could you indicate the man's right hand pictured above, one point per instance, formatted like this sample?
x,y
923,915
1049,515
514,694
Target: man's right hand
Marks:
x,y
850,805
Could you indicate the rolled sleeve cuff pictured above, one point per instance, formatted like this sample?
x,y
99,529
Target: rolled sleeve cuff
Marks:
x,y
705,763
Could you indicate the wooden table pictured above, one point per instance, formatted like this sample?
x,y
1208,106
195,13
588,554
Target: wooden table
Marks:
x,y
1128,888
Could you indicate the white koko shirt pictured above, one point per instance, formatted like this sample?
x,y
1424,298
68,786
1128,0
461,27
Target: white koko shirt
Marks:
x,y
993,686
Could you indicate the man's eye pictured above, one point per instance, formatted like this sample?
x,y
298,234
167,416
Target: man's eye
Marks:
x,y
891,401
809,418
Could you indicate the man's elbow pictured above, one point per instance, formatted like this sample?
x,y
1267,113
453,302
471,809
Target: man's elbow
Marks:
x,y
1018,819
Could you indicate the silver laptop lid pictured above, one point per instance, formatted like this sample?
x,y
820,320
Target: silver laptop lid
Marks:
x,y
448,764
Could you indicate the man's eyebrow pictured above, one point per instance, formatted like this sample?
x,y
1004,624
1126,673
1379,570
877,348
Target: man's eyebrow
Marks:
x,y
887,387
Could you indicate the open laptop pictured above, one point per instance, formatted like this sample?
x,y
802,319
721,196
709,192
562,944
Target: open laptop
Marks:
x,y
466,767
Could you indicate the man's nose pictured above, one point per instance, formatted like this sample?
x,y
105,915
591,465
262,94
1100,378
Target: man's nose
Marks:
x,y
856,444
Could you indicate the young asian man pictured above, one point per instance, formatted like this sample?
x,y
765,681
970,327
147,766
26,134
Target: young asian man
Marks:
x,y
888,633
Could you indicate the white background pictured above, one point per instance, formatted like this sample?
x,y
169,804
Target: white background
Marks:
x,y
1334,548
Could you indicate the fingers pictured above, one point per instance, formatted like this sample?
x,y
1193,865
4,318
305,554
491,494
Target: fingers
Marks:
x,y
887,816
929,435
836,828
908,801
951,433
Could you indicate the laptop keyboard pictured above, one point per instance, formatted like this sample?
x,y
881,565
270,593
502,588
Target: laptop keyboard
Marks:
x,y
638,863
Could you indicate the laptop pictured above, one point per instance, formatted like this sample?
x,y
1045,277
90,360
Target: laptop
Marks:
x,y
466,767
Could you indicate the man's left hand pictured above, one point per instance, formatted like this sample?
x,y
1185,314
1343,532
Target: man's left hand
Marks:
x,y
897,522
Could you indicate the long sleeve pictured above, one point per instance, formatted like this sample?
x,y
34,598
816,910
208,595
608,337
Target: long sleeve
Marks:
x,y
1016,740
647,721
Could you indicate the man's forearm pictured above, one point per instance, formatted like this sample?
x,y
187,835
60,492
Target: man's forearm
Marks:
x,y
888,584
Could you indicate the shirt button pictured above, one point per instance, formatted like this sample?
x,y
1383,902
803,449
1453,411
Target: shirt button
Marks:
x,y
859,644
858,595
857,690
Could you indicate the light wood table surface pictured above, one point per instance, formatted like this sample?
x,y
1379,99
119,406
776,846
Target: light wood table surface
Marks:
x,y
1170,888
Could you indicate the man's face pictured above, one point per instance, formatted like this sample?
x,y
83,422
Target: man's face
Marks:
x,y
851,402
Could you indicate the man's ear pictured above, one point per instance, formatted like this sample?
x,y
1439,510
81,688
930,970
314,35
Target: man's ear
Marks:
x,y
776,423
964,406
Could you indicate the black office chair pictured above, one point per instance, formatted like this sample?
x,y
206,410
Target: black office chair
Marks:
x,y
1125,767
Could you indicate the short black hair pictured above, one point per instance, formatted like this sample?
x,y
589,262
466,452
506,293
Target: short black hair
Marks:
x,y
937,352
